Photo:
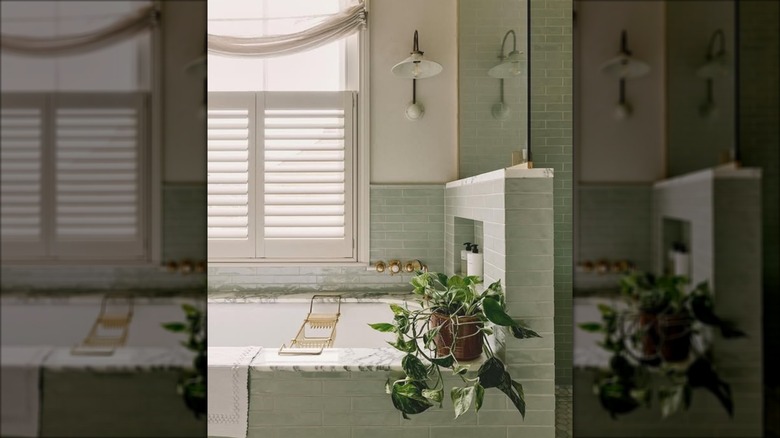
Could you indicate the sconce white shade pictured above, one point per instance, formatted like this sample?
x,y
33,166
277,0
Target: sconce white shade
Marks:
x,y
509,67
625,66
716,67
416,67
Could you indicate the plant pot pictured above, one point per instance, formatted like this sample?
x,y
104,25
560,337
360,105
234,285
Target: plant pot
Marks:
x,y
666,335
468,339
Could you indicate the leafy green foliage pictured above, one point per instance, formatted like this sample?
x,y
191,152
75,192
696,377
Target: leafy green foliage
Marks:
x,y
421,385
192,383
625,385
462,399
383,327
408,398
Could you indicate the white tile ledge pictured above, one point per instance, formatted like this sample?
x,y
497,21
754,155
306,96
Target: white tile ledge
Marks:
x,y
510,172
730,170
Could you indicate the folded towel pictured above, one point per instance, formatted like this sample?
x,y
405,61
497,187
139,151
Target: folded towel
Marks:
x,y
20,383
228,383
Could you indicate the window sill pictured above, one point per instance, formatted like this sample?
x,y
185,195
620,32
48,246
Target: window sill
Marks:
x,y
216,263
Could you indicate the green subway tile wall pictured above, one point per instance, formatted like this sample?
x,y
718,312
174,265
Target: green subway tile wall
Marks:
x,y
759,108
551,147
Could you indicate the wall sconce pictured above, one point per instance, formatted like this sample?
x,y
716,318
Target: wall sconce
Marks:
x,y
716,65
624,66
509,67
416,67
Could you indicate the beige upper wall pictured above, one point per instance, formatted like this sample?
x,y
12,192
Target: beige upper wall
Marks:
x,y
184,142
402,151
696,142
630,150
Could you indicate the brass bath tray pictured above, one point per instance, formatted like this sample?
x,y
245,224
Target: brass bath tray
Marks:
x,y
317,332
110,328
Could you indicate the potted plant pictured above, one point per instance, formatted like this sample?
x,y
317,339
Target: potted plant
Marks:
x,y
451,324
654,334
192,382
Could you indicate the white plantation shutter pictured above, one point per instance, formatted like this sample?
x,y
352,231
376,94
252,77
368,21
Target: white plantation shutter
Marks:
x,y
291,160
231,138
91,200
307,182
22,121
98,189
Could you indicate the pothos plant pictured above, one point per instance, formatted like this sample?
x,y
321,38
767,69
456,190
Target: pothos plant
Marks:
x,y
653,334
421,385
192,382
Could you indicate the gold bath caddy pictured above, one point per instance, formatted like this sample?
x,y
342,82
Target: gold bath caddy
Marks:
x,y
317,332
110,328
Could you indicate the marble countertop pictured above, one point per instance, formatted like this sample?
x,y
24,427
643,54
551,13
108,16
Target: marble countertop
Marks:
x,y
123,359
65,297
339,360
277,297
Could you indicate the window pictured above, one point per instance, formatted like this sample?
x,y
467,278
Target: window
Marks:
x,y
75,142
283,149
72,175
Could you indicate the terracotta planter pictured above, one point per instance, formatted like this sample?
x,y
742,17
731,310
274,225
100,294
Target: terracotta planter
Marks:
x,y
666,335
468,339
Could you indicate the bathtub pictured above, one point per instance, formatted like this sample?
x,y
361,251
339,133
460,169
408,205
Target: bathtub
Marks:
x,y
272,324
342,391
47,391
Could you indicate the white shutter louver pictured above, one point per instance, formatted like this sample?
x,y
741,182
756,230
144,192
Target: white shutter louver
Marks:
x,y
231,132
21,173
307,203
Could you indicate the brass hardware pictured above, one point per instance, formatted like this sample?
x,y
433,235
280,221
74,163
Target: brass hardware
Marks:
x,y
380,266
412,266
306,341
395,267
186,267
110,328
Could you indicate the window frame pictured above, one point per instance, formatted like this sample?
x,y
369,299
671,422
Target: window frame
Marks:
x,y
152,217
256,248
361,175
51,250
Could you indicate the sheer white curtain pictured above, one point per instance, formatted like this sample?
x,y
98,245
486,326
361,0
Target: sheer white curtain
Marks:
x,y
74,44
330,29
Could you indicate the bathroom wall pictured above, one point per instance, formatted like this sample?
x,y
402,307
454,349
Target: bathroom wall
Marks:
x,y
184,36
487,143
695,142
402,151
613,224
354,404
759,109
551,145
636,143
516,221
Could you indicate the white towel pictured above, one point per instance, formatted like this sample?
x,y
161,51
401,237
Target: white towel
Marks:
x,y
20,383
228,383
